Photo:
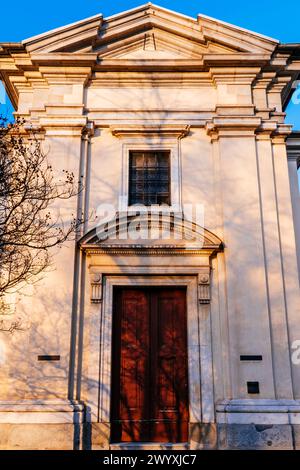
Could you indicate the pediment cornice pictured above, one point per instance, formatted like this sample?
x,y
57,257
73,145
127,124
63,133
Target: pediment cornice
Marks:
x,y
148,39
98,34
66,37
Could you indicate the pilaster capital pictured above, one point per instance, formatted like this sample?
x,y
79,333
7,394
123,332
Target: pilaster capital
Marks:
x,y
234,75
56,75
63,125
273,130
263,80
266,130
278,84
282,132
233,126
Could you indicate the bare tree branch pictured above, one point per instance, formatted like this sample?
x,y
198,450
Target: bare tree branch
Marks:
x,y
28,190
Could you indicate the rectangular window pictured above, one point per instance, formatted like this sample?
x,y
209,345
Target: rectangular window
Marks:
x,y
149,178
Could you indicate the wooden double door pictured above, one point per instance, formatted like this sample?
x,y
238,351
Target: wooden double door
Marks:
x,y
149,401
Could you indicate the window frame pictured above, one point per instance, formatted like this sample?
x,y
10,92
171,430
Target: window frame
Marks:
x,y
173,145
154,152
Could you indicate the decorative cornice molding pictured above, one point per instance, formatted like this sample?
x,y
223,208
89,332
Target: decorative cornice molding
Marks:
x,y
263,80
281,133
148,251
278,84
77,52
266,130
167,130
151,79
232,126
244,126
228,74
60,38
212,27
236,60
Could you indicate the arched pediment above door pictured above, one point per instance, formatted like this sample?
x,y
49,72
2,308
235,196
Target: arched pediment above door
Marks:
x,y
149,231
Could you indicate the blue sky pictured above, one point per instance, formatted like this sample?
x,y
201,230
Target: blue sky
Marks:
x,y
278,19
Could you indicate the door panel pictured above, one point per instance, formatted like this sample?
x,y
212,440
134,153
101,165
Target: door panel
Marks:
x,y
131,368
149,380
170,382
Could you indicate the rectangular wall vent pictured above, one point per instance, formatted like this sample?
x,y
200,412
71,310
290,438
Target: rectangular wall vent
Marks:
x,y
251,358
48,357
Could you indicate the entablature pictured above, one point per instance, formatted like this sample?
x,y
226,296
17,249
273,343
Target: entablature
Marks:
x,y
149,46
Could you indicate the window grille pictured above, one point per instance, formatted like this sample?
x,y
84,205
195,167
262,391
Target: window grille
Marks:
x,y
149,178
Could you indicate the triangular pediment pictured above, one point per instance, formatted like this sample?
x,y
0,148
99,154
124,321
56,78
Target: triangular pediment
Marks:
x,y
150,32
158,44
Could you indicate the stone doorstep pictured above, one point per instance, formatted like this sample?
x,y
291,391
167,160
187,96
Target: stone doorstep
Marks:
x,y
202,436
149,446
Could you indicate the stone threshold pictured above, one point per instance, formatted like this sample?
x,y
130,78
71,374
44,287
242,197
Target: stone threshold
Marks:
x,y
149,446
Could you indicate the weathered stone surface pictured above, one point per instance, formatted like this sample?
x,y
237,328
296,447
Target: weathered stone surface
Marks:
x,y
251,436
296,436
203,436
95,436
39,436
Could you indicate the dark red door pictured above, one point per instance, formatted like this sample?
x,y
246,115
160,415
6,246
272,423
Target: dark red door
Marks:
x,y
149,367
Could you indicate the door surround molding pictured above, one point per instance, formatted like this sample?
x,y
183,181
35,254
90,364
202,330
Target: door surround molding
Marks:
x,y
201,403
192,328
172,265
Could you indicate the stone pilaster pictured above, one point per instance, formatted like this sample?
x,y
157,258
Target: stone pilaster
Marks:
x,y
288,246
248,316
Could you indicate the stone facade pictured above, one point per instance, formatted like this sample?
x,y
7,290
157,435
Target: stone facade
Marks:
x,y
213,95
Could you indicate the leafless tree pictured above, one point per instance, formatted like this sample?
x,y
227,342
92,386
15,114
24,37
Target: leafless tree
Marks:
x,y
28,190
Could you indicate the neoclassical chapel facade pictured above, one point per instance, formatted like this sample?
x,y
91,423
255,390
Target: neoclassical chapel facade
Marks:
x,y
164,341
